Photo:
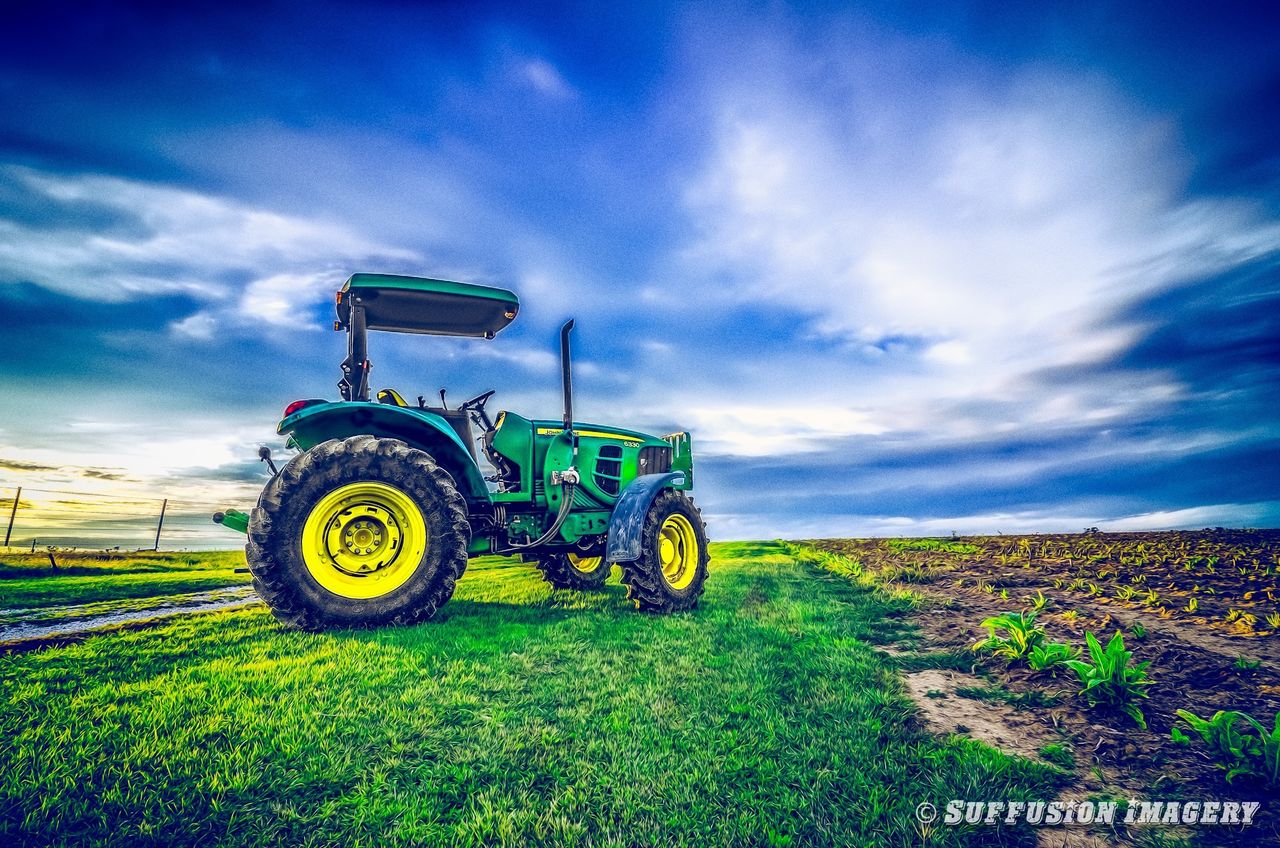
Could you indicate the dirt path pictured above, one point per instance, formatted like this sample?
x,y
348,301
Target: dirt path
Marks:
x,y
25,629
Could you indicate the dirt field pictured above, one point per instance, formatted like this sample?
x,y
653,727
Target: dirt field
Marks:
x,y
1202,607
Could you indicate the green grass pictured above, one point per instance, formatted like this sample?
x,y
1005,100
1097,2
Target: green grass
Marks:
x,y
519,716
937,545
1033,699
1060,754
27,581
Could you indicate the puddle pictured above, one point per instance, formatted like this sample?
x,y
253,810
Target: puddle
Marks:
x,y
93,609
34,625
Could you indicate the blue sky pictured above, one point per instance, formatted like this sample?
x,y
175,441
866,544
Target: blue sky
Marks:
x,y
972,267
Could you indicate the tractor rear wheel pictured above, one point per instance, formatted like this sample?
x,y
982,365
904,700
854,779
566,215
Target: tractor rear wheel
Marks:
x,y
358,532
672,568
573,571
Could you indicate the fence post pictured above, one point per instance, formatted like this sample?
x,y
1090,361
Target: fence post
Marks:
x,y
160,524
12,513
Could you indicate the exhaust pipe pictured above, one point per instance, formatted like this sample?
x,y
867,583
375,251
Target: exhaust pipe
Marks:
x,y
566,375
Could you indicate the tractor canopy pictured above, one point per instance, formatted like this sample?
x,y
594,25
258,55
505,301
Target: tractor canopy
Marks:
x,y
423,305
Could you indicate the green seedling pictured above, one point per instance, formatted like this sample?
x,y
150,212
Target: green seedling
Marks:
x,y
1049,655
1022,635
1109,680
1255,751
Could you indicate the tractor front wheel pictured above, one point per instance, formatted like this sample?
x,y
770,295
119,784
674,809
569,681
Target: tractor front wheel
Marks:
x,y
358,532
672,568
573,571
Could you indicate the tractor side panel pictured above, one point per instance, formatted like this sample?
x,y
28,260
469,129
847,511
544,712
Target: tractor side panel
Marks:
x,y
608,458
416,428
513,439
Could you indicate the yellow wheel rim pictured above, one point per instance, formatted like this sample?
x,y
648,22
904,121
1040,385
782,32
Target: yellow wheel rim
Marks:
x,y
364,540
586,565
678,551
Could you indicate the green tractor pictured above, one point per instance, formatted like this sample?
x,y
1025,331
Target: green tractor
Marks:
x,y
374,520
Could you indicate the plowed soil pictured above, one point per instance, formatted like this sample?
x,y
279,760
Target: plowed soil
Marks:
x,y
1204,657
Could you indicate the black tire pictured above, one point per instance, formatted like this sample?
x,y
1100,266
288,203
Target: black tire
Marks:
x,y
648,586
274,550
562,573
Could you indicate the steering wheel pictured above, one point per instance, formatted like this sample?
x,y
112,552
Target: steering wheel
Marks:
x,y
476,406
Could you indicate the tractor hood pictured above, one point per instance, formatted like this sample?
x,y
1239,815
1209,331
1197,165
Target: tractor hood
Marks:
x,y
423,305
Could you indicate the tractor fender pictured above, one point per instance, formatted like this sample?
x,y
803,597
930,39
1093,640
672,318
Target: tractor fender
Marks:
x,y
627,522
416,427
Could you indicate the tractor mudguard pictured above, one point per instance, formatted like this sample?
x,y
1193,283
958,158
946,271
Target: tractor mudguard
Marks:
x,y
627,521
419,428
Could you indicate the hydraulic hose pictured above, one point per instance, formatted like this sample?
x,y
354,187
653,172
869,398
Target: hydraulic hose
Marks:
x,y
566,504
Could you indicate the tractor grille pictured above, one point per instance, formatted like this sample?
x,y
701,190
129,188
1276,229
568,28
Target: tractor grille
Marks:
x,y
655,460
609,469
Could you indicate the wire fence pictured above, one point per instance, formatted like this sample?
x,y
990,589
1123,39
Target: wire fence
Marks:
x,y
34,519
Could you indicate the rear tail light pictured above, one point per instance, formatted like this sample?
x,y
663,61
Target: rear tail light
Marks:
x,y
299,404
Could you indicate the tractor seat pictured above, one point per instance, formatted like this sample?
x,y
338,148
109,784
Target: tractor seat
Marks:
x,y
456,418
392,397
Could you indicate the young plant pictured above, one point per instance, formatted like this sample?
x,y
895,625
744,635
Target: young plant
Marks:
x,y
1109,680
1038,601
1023,635
1254,751
1138,630
1050,655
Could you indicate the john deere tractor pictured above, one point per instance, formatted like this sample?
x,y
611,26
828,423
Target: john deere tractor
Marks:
x,y
373,521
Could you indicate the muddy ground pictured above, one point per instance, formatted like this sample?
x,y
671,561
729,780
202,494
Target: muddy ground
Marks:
x,y
28,629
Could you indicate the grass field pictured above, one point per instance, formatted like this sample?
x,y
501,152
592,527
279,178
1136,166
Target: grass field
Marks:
x,y
519,716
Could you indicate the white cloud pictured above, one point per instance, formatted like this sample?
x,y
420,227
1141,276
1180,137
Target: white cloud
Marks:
x,y
727,526
1000,232
281,298
950,353
774,429
166,240
544,77
199,326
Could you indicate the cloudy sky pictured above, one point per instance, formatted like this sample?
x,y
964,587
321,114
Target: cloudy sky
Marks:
x,y
900,268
